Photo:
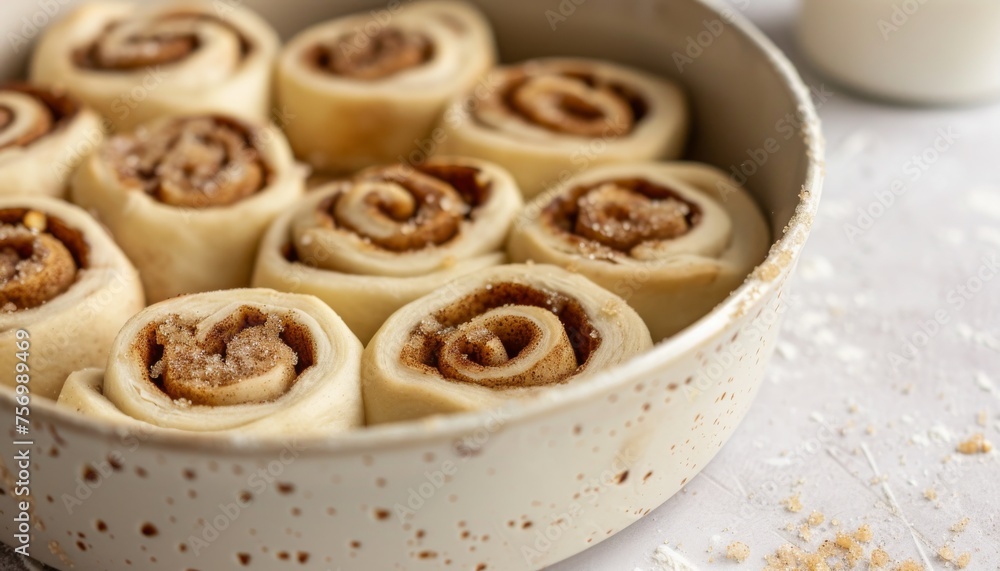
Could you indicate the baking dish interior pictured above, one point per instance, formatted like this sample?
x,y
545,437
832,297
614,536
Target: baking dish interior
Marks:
x,y
751,113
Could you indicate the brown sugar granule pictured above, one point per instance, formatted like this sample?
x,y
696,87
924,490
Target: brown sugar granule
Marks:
x,y
879,559
738,551
853,550
960,525
816,518
793,503
805,532
975,445
946,553
963,560
863,534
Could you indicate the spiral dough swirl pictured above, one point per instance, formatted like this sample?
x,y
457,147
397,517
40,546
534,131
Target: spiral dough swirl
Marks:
x,y
194,162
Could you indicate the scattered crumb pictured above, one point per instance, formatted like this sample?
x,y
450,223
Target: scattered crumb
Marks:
x,y
846,551
960,525
946,554
930,494
863,534
879,558
816,518
853,549
963,560
793,503
982,418
805,532
975,445
738,551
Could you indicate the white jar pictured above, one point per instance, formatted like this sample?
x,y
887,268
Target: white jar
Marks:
x,y
916,51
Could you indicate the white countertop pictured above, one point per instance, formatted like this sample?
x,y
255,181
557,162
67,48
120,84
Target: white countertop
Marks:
x,y
858,434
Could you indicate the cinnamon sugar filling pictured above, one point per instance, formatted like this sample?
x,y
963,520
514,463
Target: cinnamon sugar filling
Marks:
x,y
504,335
197,162
574,103
401,209
39,258
169,41
248,356
357,55
56,110
615,216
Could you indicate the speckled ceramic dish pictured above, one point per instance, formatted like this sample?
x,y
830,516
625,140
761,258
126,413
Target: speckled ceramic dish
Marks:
x,y
519,488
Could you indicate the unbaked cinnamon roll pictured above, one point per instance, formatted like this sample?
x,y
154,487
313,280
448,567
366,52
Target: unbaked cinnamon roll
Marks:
x,y
65,290
502,333
134,62
371,244
548,119
248,360
367,89
188,198
673,239
44,135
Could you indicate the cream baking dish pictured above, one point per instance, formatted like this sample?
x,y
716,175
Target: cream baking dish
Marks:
x,y
518,488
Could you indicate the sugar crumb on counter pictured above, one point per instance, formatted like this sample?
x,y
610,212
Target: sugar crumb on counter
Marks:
x,y
738,551
793,503
960,525
847,550
977,444
878,559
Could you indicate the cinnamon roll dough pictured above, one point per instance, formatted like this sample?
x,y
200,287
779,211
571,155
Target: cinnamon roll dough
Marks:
x,y
673,239
65,284
502,333
44,135
249,360
368,88
369,245
549,119
135,62
188,198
